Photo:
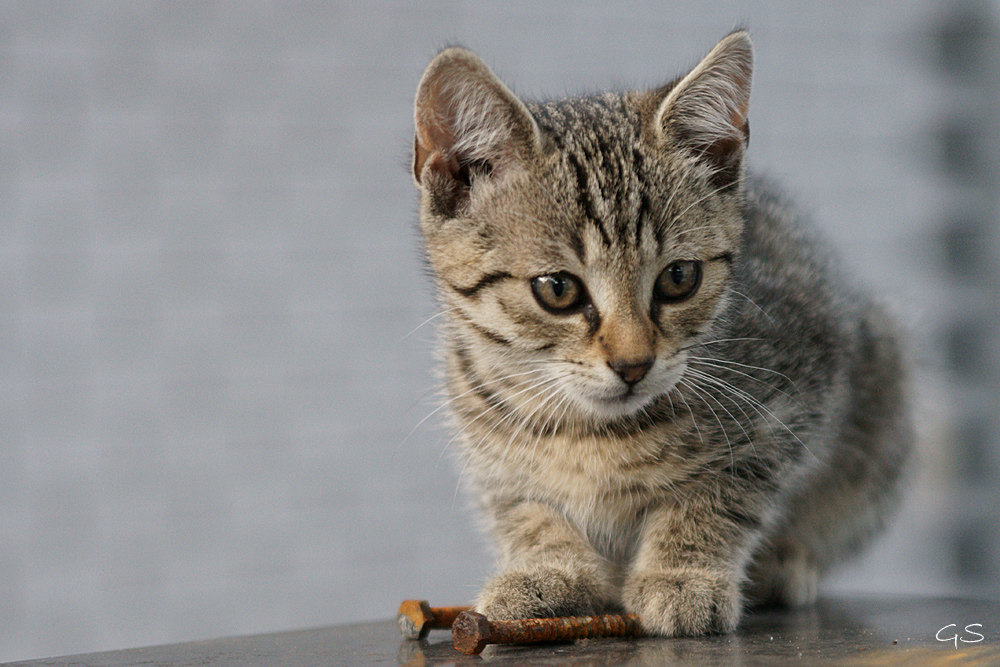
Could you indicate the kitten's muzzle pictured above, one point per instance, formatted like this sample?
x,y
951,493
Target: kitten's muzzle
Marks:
x,y
631,372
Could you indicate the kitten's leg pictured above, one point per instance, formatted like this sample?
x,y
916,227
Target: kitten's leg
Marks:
x,y
686,576
784,572
848,501
548,567
844,508
841,514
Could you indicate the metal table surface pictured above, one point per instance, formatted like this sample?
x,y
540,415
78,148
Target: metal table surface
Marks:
x,y
836,631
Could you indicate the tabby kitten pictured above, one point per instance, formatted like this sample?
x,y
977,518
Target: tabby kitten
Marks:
x,y
669,399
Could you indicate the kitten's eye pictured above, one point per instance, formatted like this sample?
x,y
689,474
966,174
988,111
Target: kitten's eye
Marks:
x,y
678,281
558,291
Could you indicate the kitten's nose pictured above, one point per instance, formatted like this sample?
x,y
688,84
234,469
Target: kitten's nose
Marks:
x,y
631,372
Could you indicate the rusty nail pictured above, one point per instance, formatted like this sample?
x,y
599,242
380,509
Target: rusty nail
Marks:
x,y
472,632
416,618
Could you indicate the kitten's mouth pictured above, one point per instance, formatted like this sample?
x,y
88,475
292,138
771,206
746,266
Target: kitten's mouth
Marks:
x,y
625,395
620,404
617,402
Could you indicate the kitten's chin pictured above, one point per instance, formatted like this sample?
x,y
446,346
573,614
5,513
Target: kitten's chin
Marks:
x,y
616,407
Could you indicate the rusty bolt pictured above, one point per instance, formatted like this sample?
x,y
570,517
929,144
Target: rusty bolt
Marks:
x,y
416,618
472,632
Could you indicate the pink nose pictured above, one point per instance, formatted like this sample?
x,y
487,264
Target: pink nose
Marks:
x,y
631,372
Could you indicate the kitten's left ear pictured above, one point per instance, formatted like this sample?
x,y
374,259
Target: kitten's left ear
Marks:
x,y
466,116
706,111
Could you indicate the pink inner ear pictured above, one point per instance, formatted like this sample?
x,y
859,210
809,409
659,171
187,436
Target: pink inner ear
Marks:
x,y
433,131
433,137
443,163
738,118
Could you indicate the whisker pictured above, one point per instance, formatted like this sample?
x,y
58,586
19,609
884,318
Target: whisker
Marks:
x,y
482,385
673,193
715,382
754,304
714,363
716,341
428,321
694,417
758,406
512,415
722,428
710,194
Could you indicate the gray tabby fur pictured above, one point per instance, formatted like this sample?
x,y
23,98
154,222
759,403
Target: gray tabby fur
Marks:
x,y
675,459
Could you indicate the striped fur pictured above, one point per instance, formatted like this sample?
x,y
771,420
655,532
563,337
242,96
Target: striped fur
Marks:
x,y
719,418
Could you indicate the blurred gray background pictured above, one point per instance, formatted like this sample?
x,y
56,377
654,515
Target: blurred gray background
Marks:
x,y
213,346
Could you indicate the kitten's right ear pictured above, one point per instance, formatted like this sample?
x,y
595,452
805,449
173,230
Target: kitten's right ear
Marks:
x,y
468,124
705,112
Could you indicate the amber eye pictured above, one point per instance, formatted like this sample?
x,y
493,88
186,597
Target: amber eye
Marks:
x,y
678,281
558,292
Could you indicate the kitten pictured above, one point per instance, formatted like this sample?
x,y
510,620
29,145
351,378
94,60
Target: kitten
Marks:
x,y
670,400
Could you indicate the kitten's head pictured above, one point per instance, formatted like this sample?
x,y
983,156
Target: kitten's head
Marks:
x,y
581,245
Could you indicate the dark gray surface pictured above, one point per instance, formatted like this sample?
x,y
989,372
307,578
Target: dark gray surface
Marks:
x,y
883,631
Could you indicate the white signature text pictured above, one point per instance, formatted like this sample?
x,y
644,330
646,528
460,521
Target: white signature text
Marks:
x,y
960,635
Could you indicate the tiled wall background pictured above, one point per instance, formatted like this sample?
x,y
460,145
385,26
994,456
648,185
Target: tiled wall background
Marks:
x,y
211,296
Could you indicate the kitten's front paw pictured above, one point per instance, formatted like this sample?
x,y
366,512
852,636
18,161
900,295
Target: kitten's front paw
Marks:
x,y
538,593
684,601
